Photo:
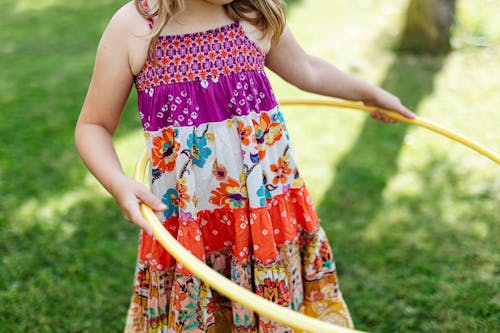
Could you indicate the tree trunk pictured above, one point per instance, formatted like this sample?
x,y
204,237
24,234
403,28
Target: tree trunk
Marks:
x,y
427,28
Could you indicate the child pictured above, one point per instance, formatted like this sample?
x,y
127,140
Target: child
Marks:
x,y
224,178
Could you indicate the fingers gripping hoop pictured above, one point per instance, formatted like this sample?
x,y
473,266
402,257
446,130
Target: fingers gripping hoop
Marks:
x,y
243,296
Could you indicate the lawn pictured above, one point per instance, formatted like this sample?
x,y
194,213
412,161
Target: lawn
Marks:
x,y
413,217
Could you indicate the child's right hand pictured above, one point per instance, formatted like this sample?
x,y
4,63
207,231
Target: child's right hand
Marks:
x,y
128,194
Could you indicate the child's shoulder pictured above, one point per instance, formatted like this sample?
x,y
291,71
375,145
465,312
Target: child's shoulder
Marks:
x,y
128,21
125,35
259,37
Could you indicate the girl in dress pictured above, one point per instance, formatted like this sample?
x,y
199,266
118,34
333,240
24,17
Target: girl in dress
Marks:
x,y
224,180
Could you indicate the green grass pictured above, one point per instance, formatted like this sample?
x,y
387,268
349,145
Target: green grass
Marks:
x,y
412,216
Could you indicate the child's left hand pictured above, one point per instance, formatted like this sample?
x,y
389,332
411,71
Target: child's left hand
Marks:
x,y
388,101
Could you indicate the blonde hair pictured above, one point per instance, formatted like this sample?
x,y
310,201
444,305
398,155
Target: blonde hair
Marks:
x,y
267,15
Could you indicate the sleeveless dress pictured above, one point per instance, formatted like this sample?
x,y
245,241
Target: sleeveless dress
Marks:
x,y
221,161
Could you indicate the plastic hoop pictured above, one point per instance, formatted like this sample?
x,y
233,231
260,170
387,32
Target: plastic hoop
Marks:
x,y
416,121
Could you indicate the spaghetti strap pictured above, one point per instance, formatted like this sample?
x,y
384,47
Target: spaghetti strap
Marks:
x,y
145,7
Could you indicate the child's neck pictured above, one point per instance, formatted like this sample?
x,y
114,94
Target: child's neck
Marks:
x,y
202,7
198,15
201,13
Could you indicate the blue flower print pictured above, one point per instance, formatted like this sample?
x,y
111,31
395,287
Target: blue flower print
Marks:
x,y
171,200
199,151
261,193
278,117
235,275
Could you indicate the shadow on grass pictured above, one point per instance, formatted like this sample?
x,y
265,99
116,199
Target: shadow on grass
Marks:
x,y
355,197
362,174
73,273
423,265
414,264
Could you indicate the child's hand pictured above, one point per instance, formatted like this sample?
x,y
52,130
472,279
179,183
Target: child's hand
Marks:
x,y
386,100
129,193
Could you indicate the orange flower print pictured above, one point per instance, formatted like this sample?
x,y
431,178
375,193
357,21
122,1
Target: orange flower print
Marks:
x,y
179,296
266,327
245,132
164,150
281,171
275,291
182,194
267,132
231,194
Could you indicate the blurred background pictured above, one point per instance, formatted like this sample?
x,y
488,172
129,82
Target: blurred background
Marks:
x,y
413,218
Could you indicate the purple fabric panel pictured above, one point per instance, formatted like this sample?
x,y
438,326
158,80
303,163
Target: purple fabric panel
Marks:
x,y
212,100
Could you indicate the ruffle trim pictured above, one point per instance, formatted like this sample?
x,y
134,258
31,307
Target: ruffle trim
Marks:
x,y
246,232
170,300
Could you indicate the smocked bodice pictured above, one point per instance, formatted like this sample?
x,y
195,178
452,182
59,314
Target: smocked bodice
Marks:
x,y
201,56
220,67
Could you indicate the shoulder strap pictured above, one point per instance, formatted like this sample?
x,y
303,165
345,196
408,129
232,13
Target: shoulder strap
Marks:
x,y
145,6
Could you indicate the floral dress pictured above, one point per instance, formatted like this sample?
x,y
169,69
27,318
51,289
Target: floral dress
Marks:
x,y
221,161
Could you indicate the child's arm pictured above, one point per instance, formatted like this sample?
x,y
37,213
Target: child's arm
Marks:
x,y
107,94
312,74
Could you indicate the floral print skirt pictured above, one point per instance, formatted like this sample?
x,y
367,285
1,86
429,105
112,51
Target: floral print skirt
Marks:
x,y
302,277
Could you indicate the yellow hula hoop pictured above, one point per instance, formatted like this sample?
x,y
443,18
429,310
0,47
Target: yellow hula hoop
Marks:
x,y
243,296
416,121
